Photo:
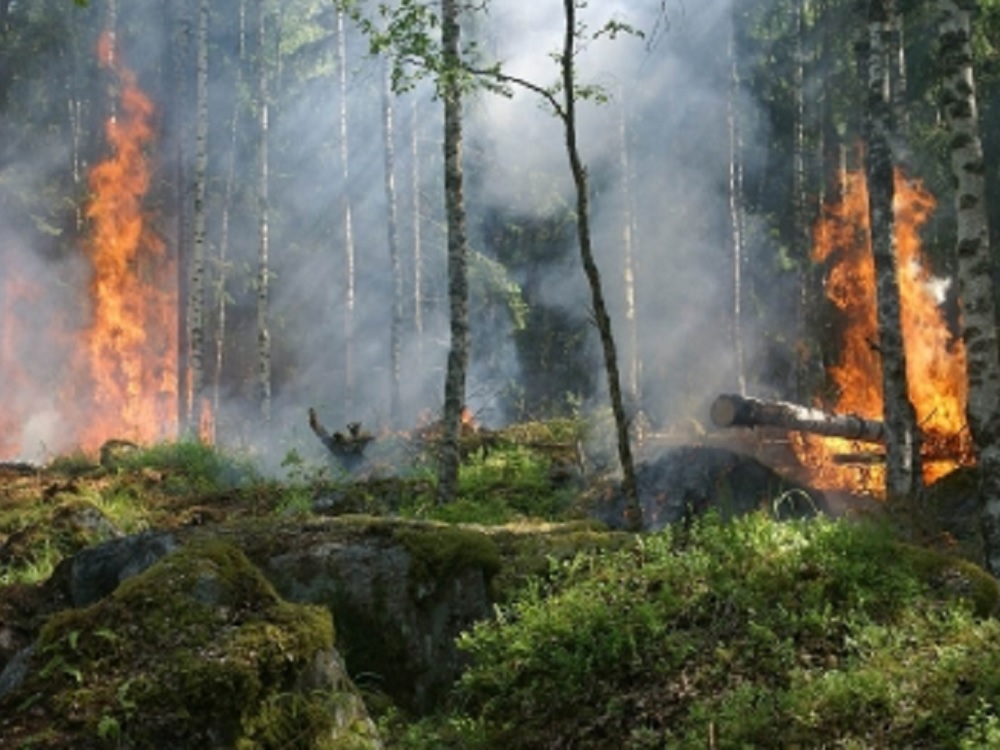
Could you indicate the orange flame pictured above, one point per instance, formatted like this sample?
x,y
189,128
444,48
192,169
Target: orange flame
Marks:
x,y
935,357
131,343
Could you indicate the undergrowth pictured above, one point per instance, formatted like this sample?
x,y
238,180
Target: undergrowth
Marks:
x,y
744,634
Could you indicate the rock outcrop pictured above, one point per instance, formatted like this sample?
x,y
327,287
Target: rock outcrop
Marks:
x,y
197,651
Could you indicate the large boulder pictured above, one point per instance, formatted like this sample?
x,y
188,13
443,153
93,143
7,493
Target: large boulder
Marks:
x,y
198,651
400,592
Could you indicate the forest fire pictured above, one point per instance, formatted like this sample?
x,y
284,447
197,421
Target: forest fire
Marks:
x,y
115,375
935,356
131,343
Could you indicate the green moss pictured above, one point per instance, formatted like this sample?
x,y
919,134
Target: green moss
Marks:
x,y
953,578
529,551
198,651
440,551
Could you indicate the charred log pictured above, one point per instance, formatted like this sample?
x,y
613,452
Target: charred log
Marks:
x,y
347,448
730,410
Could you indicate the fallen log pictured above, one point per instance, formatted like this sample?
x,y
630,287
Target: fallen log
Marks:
x,y
731,410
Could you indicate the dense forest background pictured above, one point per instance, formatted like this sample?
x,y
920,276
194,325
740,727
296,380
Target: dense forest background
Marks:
x,y
725,130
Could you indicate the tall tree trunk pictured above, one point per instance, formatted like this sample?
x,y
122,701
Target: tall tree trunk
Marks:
x,y
196,288
263,223
628,261
347,219
903,473
396,269
222,264
458,281
182,129
976,291
418,249
800,227
629,486
735,208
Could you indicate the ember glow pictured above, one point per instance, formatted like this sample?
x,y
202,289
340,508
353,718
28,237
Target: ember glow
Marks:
x,y
935,357
115,351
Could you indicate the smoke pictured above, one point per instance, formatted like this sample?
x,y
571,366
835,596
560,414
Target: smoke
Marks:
x,y
666,116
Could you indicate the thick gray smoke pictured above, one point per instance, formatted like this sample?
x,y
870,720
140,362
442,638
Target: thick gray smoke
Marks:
x,y
667,116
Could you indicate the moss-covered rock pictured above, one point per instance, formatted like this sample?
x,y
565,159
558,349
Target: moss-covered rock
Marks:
x,y
400,591
196,652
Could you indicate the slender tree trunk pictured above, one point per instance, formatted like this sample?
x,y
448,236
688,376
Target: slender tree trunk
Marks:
x,y
735,208
802,240
897,60
396,269
196,289
458,282
263,223
418,250
346,218
629,485
976,289
222,269
182,128
629,263
903,472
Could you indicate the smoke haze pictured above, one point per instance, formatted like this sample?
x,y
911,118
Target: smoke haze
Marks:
x,y
667,116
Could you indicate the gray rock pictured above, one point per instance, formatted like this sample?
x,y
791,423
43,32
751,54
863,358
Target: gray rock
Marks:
x,y
686,482
396,621
16,670
97,571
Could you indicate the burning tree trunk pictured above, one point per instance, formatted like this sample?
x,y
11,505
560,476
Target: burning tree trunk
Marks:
x,y
976,290
730,410
903,470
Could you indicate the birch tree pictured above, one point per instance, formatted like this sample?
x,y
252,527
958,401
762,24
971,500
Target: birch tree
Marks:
x,y
196,283
263,222
222,259
392,229
735,190
976,291
346,214
903,471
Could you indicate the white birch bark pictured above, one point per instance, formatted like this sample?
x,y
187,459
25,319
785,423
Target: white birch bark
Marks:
x,y
975,265
263,223
222,261
347,218
903,473
392,227
196,280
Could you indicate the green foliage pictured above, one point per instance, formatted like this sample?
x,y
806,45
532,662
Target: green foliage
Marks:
x,y
192,466
771,634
